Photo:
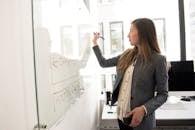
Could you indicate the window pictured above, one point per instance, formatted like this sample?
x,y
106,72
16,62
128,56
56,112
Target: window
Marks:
x,y
116,19
116,37
190,28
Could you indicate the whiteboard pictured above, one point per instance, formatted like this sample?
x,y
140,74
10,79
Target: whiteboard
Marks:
x,y
59,83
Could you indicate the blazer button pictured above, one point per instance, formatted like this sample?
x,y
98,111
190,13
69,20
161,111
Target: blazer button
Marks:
x,y
131,98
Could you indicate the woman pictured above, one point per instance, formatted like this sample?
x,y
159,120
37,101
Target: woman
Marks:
x,y
141,71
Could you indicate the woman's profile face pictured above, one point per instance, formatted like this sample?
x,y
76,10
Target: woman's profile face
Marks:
x,y
133,35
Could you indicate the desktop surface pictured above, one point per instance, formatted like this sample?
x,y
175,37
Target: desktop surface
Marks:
x,y
176,112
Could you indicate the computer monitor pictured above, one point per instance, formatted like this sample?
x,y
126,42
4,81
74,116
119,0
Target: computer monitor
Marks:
x,y
181,76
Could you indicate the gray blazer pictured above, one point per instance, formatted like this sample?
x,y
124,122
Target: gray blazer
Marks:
x,y
153,77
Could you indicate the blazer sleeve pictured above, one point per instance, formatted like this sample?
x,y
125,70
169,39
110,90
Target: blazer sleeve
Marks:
x,y
102,61
161,80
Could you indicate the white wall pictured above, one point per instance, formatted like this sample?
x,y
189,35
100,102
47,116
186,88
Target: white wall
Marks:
x,y
17,102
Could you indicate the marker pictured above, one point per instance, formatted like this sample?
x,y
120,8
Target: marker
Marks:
x,y
100,36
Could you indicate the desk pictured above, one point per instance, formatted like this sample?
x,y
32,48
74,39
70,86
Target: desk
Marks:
x,y
181,113
109,118
176,113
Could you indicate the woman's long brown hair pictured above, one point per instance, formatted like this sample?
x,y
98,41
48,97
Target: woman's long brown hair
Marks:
x,y
147,44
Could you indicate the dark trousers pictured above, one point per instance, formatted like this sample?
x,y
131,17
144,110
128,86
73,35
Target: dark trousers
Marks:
x,y
122,126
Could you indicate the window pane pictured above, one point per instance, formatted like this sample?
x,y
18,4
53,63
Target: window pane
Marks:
x,y
116,37
190,28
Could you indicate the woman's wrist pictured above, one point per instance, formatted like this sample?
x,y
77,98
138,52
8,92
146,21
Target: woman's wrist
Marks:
x,y
95,44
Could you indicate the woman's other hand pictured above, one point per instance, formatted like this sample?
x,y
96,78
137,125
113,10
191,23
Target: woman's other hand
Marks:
x,y
137,116
95,38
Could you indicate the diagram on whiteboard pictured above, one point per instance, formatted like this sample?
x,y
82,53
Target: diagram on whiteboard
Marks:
x,y
59,83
